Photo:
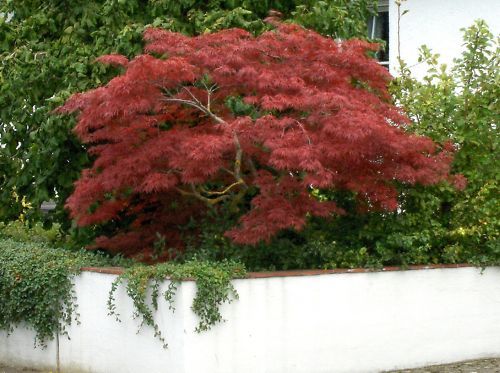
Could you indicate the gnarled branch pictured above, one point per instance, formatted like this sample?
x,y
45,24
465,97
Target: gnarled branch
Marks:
x,y
195,193
197,104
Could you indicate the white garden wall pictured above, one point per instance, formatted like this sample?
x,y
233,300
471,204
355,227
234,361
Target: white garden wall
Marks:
x,y
437,24
348,322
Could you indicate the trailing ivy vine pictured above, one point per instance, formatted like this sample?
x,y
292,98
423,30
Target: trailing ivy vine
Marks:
x,y
214,287
36,284
36,287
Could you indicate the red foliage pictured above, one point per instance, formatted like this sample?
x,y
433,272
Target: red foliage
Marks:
x,y
166,144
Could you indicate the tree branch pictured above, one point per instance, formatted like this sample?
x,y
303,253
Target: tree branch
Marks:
x,y
197,104
304,131
209,192
253,170
197,195
239,155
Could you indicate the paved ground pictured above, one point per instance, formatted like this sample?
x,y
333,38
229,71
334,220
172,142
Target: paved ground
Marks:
x,y
471,366
4,369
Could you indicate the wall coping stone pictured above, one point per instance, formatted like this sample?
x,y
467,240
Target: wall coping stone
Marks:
x,y
304,272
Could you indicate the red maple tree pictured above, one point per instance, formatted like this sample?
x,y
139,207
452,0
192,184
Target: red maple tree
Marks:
x,y
253,123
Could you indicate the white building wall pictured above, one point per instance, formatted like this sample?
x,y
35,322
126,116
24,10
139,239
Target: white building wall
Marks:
x,y
353,322
437,24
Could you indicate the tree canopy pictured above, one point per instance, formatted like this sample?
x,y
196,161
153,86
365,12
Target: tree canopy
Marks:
x,y
47,52
253,124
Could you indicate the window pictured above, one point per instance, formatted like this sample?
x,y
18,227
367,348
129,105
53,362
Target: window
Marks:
x,y
378,28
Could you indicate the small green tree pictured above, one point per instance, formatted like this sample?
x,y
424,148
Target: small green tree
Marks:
x,y
461,104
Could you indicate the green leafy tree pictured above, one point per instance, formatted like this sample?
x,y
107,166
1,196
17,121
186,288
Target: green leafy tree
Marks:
x,y
461,104
47,50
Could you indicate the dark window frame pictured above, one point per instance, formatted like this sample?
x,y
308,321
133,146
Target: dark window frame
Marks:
x,y
383,33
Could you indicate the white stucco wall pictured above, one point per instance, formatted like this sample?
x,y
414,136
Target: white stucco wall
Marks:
x,y
437,24
358,322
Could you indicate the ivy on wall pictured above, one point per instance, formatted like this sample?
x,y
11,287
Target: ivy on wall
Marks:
x,y
36,286
213,283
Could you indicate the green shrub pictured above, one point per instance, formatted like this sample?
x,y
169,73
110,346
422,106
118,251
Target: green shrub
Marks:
x,y
20,231
460,104
36,286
